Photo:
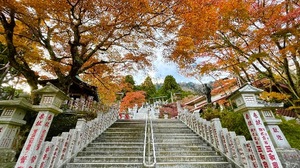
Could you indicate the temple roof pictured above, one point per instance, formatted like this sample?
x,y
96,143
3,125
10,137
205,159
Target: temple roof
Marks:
x,y
77,89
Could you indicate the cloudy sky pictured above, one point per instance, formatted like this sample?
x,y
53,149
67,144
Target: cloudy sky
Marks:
x,y
161,68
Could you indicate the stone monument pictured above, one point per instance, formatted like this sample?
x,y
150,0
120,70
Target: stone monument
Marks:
x,y
272,146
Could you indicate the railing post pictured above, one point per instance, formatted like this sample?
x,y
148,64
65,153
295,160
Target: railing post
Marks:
x,y
216,128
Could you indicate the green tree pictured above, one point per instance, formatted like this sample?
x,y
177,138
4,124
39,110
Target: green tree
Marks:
x,y
148,87
129,79
169,87
127,84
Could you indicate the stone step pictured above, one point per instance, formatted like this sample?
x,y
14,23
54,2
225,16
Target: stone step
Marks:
x,y
133,120
112,149
184,145
129,124
124,125
180,130
176,135
163,121
193,165
119,140
104,165
190,159
111,153
161,140
107,159
115,144
120,129
184,148
173,127
122,145
122,135
186,153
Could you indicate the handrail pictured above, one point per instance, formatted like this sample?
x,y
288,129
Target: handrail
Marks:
x,y
145,141
150,141
153,144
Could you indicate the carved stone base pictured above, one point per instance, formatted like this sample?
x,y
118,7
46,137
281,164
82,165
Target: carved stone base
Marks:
x,y
7,165
290,158
7,159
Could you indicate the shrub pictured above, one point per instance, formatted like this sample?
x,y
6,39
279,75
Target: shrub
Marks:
x,y
231,120
234,121
291,130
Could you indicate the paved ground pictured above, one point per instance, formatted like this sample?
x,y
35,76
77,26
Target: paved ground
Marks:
x,y
142,112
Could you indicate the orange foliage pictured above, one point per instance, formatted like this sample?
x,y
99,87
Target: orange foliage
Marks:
x,y
274,96
223,86
242,38
131,99
74,38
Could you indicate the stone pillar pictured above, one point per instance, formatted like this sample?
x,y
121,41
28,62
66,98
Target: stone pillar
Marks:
x,y
252,155
276,134
11,120
262,141
290,157
240,142
217,127
51,100
232,147
225,142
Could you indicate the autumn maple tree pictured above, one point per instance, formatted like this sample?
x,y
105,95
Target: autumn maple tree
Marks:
x,y
131,99
92,40
242,38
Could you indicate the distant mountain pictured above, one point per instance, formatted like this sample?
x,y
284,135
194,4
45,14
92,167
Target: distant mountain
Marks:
x,y
190,86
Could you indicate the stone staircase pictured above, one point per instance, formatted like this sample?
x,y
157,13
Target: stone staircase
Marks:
x,y
121,145
176,146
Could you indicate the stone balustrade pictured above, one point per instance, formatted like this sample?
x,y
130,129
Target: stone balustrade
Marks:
x,y
37,152
61,149
78,105
70,143
239,151
268,148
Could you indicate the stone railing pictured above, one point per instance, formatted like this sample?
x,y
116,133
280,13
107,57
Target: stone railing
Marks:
x,y
70,143
61,149
36,151
79,105
235,148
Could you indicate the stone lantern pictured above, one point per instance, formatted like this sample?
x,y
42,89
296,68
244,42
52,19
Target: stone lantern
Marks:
x,y
49,106
11,120
51,99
